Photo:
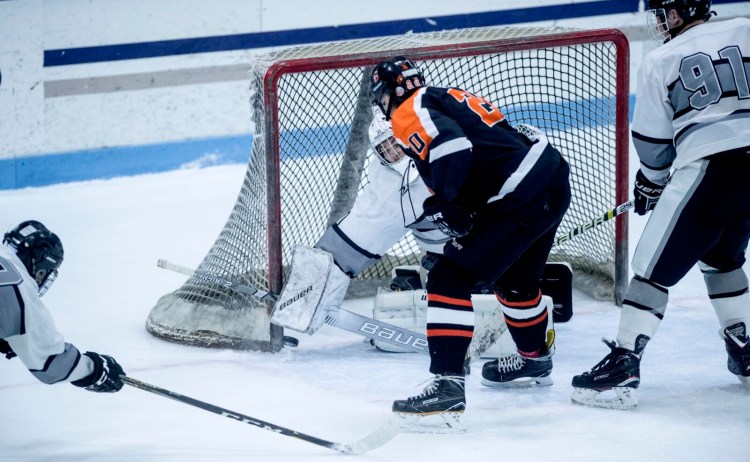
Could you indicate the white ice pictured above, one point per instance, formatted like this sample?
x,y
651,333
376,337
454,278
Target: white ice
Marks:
x,y
333,385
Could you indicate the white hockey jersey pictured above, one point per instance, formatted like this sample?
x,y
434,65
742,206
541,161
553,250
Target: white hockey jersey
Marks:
x,y
693,97
27,326
387,208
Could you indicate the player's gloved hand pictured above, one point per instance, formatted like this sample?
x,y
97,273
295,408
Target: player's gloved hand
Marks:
x,y
455,222
429,260
107,375
6,349
646,193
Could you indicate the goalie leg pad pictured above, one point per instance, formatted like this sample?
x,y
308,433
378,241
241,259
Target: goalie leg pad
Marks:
x,y
314,283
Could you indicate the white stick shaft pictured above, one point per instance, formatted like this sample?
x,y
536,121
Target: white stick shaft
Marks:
x,y
162,263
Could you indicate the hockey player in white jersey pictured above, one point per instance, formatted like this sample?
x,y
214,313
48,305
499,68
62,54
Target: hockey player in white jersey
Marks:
x,y
29,258
691,130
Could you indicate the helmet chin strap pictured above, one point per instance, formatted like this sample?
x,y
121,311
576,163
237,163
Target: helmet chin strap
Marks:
x,y
387,111
677,30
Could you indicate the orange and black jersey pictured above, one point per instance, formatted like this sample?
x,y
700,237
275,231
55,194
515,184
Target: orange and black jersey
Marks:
x,y
467,152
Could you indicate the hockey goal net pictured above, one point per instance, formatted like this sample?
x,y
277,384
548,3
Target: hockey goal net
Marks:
x,y
311,110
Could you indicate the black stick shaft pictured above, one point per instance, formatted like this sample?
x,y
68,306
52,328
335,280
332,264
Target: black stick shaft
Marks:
x,y
230,414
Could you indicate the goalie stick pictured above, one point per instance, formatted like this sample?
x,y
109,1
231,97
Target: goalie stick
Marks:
x,y
335,316
374,440
362,325
485,335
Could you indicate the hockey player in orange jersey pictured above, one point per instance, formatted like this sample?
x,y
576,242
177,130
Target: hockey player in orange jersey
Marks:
x,y
500,193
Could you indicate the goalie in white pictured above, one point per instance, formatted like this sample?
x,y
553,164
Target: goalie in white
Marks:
x,y
380,216
692,118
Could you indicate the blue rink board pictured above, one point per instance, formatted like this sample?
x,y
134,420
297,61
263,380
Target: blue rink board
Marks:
x,y
107,163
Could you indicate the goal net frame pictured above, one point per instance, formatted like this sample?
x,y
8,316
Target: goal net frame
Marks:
x,y
198,314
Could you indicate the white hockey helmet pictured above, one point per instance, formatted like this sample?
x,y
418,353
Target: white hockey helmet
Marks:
x,y
385,147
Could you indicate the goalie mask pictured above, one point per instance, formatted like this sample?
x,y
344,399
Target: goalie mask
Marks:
x,y
392,82
385,147
39,249
657,16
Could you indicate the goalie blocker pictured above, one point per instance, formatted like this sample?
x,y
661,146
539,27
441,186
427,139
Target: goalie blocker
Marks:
x,y
405,304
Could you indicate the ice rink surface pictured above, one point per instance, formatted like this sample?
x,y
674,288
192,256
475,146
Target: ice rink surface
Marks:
x,y
333,386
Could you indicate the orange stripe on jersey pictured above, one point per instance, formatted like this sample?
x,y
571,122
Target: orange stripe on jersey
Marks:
x,y
526,304
449,333
448,300
533,322
408,128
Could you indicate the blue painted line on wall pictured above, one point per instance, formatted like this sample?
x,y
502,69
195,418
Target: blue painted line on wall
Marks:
x,y
122,161
82,55
63,57
136,160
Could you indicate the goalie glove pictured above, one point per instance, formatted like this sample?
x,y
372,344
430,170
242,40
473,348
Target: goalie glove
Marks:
x,y
646,193
453,221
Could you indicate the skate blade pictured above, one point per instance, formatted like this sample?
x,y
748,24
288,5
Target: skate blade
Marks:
x,y
743,379
440,422
625,398
526,382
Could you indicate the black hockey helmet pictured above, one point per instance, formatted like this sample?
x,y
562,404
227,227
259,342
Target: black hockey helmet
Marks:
x,y
689,11
393,81
39,249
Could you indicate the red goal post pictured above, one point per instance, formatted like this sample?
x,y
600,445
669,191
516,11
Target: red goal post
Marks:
x,y
311,110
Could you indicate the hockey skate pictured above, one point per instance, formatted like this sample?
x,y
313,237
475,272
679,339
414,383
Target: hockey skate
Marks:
x,y
524,370
437,409
738,351
518,371
618,372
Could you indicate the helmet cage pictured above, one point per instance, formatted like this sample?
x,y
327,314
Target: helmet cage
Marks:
x,y
389,152
384,145
658,26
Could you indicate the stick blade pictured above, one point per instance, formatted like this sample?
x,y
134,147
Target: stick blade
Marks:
x,y
374,440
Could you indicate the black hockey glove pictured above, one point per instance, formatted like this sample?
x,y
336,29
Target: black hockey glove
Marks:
x,y
451,220
646,193
430,260
7,350
107,375
406,279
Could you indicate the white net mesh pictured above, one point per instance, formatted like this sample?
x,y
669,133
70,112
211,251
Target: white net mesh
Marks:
x,y
311,109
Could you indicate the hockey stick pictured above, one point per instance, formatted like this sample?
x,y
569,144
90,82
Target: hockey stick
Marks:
x,y
335,316
485,336
374,440
245,289
608,215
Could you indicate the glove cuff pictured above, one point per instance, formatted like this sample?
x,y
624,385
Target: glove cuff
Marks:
x,y
657,177
92,378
